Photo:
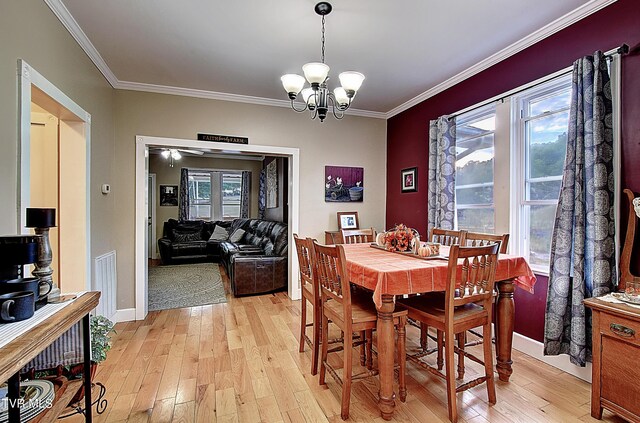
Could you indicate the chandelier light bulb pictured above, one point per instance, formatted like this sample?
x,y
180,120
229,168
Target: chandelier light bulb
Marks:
x,y
165,154
292,84
351,81
316,73
341,96
309,97
175,155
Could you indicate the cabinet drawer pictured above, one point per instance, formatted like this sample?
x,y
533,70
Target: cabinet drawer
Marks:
x,y
620,328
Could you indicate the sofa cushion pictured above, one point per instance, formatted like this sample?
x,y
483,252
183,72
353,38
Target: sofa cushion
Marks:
x,y
237,235
192,248
219,234
180,237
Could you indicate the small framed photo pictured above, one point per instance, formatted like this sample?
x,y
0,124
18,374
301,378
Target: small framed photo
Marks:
x,y
169,195
348,220
410,179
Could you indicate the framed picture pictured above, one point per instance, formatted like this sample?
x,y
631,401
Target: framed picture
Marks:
x,y
343,184
410,179
348,220
272,184
168,195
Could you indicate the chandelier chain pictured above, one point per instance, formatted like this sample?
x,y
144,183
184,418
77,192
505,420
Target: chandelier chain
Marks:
x,y
322,38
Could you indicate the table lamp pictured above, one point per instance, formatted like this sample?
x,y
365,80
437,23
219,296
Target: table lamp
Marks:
x,y
41,219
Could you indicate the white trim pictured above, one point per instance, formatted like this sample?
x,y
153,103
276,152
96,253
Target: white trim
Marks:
x,y
124,315
616,91
63,14
28,77
142,144
531,39
152,198
535,349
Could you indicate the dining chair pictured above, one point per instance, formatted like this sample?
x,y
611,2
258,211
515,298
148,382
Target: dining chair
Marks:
x,y
351,314
358,236
467,304
311,294
446,237
478,239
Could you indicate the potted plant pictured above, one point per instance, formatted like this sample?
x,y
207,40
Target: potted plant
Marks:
x,y
100,328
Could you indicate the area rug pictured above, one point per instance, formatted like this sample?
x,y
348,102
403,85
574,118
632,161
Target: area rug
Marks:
x,y
185,285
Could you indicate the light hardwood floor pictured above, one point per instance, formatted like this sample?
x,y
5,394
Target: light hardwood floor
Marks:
x,y
239,362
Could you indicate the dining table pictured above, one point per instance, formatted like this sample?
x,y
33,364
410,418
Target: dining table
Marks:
x,y
389,274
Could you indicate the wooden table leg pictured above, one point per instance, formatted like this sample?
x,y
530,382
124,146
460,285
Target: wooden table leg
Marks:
x,y
386,352
504,332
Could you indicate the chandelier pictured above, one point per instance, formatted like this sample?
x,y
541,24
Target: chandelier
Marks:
x,y
317,97
171,154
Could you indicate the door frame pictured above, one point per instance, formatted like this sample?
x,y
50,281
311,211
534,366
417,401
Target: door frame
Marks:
x,y
141,172
68,110
152,198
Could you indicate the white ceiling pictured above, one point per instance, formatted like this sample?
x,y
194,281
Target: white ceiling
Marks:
x,y
404,48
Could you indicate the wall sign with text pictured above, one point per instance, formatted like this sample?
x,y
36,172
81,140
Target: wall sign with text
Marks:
x,y
223,138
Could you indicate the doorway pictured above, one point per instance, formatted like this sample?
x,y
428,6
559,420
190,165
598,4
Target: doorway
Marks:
x,y
54,172
142,170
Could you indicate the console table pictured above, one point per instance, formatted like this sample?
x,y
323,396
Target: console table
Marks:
x,y
24,345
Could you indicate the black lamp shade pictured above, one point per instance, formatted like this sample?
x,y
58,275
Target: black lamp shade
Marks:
x,y
41,218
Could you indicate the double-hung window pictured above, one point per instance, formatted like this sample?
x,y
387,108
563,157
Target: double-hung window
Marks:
x,y
540,140
474,169
214,194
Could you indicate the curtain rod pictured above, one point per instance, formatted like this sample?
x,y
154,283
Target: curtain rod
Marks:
x,y
609,55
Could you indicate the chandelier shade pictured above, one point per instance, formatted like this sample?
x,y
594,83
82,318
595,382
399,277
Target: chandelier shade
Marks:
x,y
317,97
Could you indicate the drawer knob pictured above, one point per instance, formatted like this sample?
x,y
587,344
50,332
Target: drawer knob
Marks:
x,y
621,330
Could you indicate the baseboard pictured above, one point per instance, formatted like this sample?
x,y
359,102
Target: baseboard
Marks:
x,y
535,349
125,315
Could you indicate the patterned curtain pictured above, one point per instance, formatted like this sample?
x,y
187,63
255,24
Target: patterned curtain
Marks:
x,y
583,248
245,194
442,174
183,204
262,194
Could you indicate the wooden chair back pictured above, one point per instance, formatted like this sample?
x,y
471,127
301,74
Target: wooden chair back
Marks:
x,y
625,258
474,282
447,237
358,236
304,248
332,276
478,239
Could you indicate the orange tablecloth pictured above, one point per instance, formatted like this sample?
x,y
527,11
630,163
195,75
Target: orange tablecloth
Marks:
x,y
385,272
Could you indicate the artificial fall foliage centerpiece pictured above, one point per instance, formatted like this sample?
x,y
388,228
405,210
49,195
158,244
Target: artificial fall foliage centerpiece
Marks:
x,y
400,238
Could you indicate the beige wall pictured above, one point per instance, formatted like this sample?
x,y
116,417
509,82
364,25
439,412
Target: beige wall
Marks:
x,y
167,175
30,31
353,141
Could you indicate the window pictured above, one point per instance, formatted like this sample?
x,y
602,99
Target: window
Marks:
x,y
200,195
474,169
540,145
231,190
214,195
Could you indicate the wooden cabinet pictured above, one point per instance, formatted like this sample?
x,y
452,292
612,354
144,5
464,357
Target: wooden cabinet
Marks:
x,y
616,359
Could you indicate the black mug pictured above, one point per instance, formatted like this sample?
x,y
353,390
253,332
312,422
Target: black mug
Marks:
x,y
25,284
16,306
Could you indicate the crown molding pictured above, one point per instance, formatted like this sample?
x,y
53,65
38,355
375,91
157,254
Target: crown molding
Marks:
x,y
63,14
531,39
213,95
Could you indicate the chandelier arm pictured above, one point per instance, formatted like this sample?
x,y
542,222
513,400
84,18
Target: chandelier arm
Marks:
x,y
335,106
293,106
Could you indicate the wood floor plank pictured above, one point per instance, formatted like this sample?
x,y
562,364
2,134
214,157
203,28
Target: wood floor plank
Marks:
x,y
239,362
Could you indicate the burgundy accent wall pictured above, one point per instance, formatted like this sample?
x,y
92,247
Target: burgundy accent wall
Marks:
x,y
407,132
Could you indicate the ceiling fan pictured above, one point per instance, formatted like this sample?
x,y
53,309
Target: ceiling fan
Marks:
x,y
173,154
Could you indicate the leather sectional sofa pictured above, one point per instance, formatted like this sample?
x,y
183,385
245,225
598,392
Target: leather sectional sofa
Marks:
x,y
256,262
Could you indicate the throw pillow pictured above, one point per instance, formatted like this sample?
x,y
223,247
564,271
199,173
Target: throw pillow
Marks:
x,y
189,237
237,235
219,234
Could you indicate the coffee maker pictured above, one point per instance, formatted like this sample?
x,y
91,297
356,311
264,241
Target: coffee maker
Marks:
x,y
16,251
